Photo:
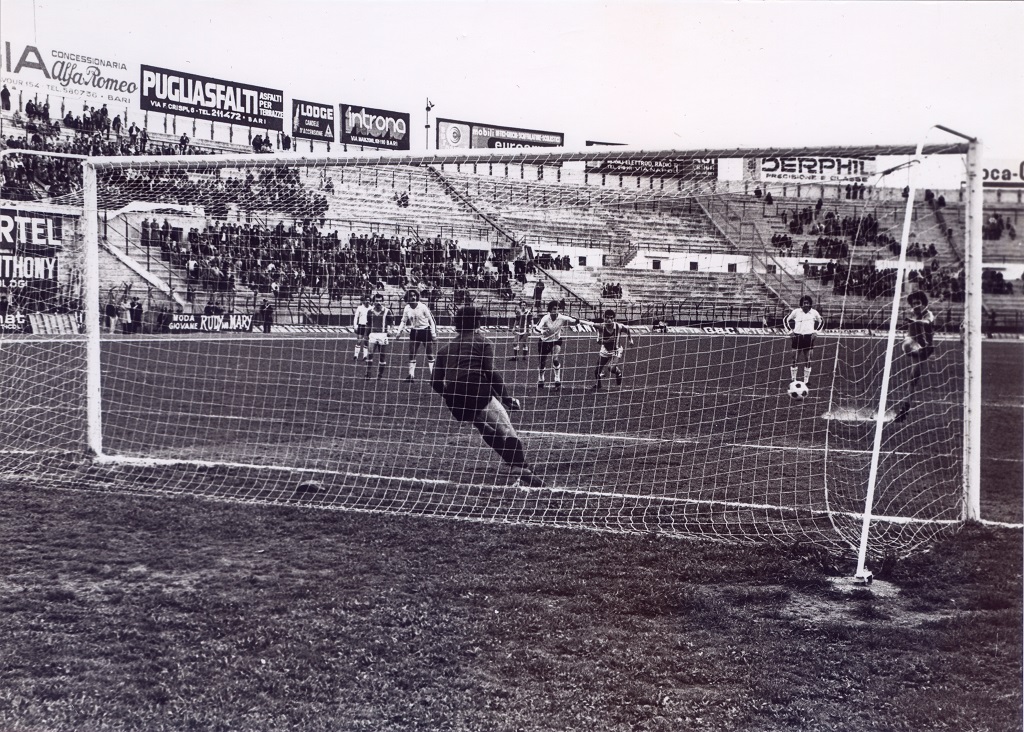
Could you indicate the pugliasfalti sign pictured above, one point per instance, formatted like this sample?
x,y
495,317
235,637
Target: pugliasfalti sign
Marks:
x,y
216,100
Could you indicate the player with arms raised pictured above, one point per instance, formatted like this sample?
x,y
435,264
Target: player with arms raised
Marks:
x,y
422,331
609,335
918,345
803,324
474,392
550,330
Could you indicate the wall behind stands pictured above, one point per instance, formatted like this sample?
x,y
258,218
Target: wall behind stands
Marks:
x,y
652,259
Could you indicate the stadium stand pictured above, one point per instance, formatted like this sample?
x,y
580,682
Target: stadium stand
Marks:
x,y
315,240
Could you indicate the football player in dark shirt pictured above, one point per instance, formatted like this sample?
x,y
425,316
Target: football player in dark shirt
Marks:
x,y
475,392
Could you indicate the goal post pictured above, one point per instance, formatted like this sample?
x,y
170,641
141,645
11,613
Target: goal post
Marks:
x,y
702,254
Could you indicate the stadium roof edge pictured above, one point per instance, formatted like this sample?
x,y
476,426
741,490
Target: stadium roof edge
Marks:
x,y
550,155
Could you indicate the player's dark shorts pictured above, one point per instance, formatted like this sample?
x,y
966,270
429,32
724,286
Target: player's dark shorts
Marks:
x,y
466,393
545,348
363,330
421,336
802,341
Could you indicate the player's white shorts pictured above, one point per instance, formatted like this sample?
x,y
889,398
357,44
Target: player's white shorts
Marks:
x,y
378,339
617,353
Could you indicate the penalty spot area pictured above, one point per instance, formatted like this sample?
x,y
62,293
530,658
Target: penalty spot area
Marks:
x,y
856,414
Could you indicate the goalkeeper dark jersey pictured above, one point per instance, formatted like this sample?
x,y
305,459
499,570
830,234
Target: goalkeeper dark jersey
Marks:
x,y
464,375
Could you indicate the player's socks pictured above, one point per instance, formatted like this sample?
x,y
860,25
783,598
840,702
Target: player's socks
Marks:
x,y
792,373
807,374
412,369
510,449
430,365
618,375
557,371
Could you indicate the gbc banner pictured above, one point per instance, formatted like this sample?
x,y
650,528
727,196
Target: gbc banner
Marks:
x,y
458,135
815,169
186,323
684,168
202,97
369,127
312,121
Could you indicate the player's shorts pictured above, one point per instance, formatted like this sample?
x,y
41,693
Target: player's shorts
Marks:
x,y
915,350
363,330
421,336
466,394
617,352
802,341
378,339
546,348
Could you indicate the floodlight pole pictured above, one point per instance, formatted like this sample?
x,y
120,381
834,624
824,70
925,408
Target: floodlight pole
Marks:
x,y
430,105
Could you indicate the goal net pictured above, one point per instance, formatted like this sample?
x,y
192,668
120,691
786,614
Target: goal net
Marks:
x,y
218,355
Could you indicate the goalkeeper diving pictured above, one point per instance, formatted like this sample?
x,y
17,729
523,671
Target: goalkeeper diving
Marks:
x,y
475,392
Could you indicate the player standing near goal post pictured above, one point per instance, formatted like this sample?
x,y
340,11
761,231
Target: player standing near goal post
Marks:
x,y
918,345
380,321
609,335
521,324
803,324
550,330
362,327
422,331
474,392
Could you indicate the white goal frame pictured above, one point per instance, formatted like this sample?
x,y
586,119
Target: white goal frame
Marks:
x,y
972,254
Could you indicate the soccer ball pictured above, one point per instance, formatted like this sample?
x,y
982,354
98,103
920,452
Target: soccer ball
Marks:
x,y
798,390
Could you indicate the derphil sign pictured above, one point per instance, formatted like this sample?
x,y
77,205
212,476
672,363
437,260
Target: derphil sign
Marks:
x,y
371,127
203,97
814,169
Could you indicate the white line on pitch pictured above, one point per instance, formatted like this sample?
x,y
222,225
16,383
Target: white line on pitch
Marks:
x,y
694,441
154,462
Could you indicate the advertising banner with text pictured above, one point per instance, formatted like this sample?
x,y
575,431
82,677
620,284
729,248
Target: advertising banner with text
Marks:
x,y
29,244
684,168
312,121
206,98
39,72
188,323
455,134
814,169
369,127
1003,173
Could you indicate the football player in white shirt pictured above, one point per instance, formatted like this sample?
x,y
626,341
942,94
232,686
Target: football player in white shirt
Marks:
x,y
417,318
550,329
803,324
362,327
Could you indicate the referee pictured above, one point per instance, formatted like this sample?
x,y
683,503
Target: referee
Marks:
x,y
465,378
